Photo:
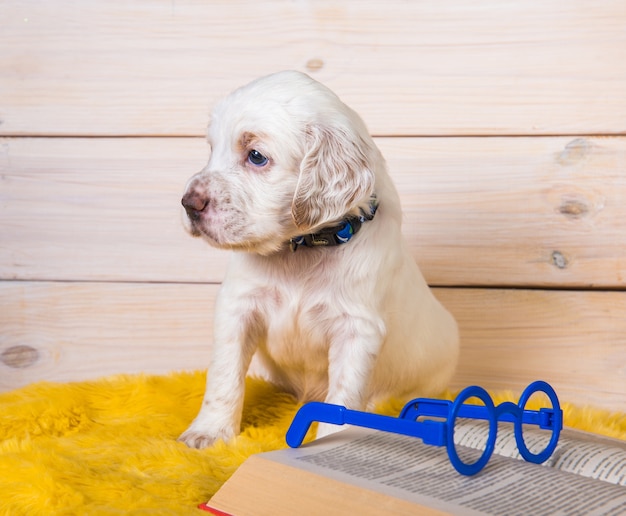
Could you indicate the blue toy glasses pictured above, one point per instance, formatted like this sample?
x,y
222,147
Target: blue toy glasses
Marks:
x,y
441,432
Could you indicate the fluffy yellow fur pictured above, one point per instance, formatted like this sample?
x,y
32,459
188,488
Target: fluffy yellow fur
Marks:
x,y
109,446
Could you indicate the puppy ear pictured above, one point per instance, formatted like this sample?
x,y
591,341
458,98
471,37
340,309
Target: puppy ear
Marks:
x,y
335,176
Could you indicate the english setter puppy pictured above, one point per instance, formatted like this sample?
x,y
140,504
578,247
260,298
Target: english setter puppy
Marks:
x,y
322,287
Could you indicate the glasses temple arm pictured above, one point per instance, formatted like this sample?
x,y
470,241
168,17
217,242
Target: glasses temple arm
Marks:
x,y
426,407
307,415
431,432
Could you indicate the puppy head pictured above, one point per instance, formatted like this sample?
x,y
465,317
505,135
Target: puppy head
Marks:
x,y
287,157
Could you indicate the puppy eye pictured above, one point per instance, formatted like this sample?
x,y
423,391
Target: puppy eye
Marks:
x,y
256,158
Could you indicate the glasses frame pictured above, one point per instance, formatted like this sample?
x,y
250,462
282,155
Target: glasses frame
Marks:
x,y
438,432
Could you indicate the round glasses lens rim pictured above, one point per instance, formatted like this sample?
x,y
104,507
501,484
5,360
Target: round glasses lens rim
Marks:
x,y
464,395
542,456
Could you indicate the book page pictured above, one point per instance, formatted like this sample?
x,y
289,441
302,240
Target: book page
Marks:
x,y
578,452
406,468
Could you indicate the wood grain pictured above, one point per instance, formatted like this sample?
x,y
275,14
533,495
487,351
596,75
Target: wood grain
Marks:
x,y
410,68
546,212
74,331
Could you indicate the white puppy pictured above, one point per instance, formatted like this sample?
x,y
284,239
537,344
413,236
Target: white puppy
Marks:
x,y
323,287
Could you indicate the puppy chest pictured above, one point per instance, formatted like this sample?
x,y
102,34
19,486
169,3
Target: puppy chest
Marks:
x,y
298,335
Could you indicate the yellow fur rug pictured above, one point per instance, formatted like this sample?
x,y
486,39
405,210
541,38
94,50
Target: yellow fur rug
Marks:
x,y
109,446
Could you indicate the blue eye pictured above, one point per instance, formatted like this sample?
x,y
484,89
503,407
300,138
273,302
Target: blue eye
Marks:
x,y
257,159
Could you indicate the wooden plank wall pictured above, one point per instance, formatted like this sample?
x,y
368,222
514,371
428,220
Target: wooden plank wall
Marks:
x,y
503,122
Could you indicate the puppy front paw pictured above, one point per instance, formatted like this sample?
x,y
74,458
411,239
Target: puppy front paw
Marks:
x,y
198,438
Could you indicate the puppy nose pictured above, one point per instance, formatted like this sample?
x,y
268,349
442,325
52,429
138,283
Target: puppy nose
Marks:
x,y
194,203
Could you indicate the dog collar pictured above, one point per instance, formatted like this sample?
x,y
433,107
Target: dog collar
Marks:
x,y
336,235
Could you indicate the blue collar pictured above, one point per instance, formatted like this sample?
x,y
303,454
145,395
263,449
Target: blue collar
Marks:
x,y
336,235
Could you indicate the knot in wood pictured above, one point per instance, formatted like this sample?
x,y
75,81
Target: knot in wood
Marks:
x,y
19,357
314,64
559,260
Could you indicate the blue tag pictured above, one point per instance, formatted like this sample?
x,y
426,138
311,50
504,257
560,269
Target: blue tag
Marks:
x,y
345,233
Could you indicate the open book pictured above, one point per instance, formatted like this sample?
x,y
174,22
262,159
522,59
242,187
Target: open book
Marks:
x,y
363,471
